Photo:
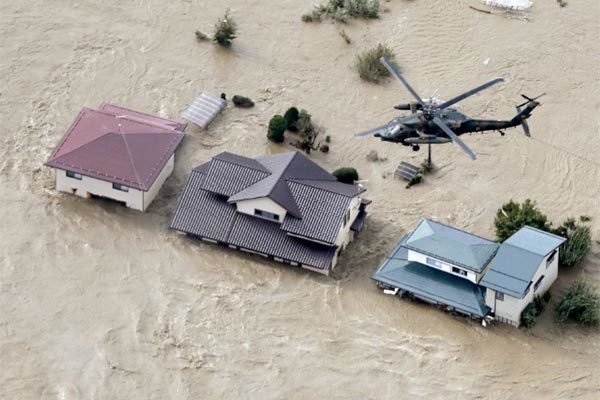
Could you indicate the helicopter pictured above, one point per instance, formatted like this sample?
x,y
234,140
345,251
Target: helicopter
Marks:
x,y
433,121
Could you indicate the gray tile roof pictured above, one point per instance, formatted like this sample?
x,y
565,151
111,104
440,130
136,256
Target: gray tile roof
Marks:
x,y
518,259
441,287
452,245
206,208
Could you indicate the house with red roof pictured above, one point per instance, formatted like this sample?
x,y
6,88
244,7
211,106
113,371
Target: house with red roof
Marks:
x,y
116,153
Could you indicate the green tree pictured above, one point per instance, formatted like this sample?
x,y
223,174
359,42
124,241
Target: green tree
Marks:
x,y
291,116
369,65
578,244
346,175
512,216
225,30
580,303
277,127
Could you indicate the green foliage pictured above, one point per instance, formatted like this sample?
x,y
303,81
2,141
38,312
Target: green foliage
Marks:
x,y
242,101
418,178
578,244
277,127
328,138
200,36
341,10
547,296
225,30
368,65
346,175
539,303
580,303
529,315
291,116
324,148
513,216
308,132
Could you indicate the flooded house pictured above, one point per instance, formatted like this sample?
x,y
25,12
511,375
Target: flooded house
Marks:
x,y
471,275
283,207
116,153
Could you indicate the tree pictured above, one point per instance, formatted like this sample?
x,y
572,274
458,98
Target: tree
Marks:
x,y
512,216
580,303
291,116
308,132
277,126
369,64
225,30
346,175
579,241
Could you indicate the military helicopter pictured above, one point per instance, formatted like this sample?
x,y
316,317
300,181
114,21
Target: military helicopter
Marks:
x,y
433,121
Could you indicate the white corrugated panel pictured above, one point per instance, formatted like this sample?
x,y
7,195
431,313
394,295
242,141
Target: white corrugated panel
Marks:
x,y
204,109
518,5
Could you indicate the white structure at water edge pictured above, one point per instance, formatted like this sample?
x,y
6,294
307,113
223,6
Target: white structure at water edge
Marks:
x,y
515,5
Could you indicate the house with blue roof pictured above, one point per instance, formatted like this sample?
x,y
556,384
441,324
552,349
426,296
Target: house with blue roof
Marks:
x,y
471,275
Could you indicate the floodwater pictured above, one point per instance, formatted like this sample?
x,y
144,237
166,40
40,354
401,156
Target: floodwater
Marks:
x,y
101,302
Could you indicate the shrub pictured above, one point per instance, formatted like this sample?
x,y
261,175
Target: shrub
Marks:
x,y
308,133
368,65
225,30
513,216
529,315
547,296
242,101
201,36
291,116
277,126
340,10
324,148
579,241
346,175
580,303
328,138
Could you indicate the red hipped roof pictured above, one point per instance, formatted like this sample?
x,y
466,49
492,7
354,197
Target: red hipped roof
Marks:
x,y
118,145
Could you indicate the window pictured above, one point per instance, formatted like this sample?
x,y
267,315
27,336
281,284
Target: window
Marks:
x,y
120,187
550,258
434,263
459,271
538,283
73,175
347,217
500,296
266,214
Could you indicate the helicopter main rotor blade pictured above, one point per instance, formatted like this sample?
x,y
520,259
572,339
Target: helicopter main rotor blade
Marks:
x,y
397,75
470,93
524,124
370,132
440,122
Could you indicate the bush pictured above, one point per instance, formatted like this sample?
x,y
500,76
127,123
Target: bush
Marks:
x,y
580,303
529,315
369,65
346,175
324,148
579,241
291,116
309,132
547,296
200,36
225,30
340,10
513,216
242,101
277,127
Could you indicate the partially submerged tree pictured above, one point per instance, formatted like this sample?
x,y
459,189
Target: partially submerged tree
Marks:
x,y
580,303
341,10
346,175
242,101
200,36
369,65
277,127
512,216
578,244
308,133
291,117
225,30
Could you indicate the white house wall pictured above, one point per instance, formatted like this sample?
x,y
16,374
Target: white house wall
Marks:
x,y
445,266
85,186
261,203
511,308
344,235
160,180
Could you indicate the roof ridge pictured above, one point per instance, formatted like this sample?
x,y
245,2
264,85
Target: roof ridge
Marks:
x,y
458,229
542,231
243,165
137,176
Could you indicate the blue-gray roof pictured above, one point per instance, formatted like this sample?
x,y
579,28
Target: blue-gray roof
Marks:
x,y
518,259
431,283
451,245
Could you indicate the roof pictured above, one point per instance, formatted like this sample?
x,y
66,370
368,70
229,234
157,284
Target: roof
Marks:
x,y
518,259
204,109
452,245
314,200
116,148
208,215
430,283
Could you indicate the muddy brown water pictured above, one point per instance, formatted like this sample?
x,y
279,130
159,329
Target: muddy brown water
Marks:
x,y
101,302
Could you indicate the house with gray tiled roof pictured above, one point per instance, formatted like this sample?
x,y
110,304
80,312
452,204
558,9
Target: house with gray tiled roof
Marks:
x,y
471,275
283,207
